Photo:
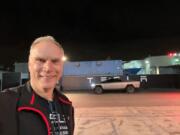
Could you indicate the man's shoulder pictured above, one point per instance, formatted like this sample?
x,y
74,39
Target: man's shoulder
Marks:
x,y
8,96
63,98
12,90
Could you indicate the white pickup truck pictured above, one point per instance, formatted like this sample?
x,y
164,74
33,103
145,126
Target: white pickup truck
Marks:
x,y
115,84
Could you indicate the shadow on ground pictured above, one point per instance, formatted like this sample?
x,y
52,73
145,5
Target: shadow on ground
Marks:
x,y
147,90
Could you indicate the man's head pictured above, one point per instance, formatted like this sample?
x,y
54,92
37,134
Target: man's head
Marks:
x,y
45,63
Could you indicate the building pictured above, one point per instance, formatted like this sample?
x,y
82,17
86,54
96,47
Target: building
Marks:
x,y
155,65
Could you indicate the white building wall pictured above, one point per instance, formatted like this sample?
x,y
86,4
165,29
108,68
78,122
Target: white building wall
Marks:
x,y
151,65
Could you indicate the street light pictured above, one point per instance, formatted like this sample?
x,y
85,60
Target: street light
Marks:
x,y
64,58
146,61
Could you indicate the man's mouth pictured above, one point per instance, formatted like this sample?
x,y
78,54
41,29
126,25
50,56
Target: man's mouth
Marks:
x,y
47,77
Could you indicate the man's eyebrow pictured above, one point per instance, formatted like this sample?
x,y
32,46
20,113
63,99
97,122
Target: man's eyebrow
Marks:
x,y
37,58
55,59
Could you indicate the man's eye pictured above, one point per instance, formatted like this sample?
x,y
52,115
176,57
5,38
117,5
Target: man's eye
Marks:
x,y
55,61
41,60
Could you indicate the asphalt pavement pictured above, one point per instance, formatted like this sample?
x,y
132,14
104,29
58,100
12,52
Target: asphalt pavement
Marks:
x,y
155,112
158,120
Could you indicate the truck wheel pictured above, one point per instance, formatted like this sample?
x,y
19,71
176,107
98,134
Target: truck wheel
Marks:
x,y
130,89
98,90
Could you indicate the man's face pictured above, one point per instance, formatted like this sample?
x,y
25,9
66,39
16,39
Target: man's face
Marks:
x,y
45,65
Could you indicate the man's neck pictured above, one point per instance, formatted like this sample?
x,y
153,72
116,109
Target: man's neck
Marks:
x,y
48,95
44,93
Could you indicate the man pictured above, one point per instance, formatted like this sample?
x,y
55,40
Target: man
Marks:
x,y
37,108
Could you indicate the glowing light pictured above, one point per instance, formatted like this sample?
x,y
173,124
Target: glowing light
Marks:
x,y
147,62
175,54
176,60
170,54
64,58
93,85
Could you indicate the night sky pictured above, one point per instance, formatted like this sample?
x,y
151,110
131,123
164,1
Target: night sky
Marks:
x,y
90,30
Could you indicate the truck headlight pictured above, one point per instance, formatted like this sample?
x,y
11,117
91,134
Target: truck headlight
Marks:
x,y
92,85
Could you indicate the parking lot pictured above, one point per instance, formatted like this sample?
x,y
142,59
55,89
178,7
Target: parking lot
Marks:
x,y
143,113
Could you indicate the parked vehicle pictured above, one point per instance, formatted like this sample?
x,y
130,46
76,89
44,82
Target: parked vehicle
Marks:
x,y
115,84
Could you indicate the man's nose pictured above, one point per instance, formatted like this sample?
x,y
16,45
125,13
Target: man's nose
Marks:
x,y
48,65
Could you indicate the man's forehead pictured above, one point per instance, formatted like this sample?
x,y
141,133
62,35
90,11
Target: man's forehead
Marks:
x,y
46,52
45,56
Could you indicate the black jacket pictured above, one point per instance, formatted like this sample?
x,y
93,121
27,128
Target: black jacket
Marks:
x,y
23,100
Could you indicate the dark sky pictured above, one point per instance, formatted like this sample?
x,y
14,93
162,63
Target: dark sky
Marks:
x,y
90,30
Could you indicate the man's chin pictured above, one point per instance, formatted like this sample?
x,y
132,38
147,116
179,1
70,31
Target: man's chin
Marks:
x,y
51,86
